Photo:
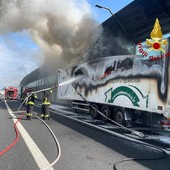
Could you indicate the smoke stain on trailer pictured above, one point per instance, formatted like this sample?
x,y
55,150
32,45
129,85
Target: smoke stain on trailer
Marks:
x,y
98,73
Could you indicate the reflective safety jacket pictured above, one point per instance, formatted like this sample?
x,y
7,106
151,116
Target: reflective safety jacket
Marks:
x,y
46,98
46,101
31,99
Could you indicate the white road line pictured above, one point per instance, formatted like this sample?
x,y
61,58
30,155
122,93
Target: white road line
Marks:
x,y
40,159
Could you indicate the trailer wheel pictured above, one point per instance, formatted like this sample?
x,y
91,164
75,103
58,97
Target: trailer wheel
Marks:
x,y
119,116
106,111
93,112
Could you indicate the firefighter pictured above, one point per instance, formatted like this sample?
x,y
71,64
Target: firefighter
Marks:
x,y
30,105
45,105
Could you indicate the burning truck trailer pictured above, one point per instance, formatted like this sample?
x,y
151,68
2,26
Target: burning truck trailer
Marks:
x,y
126,88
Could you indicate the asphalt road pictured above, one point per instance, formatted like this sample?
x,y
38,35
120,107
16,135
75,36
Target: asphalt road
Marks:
x,y
82,148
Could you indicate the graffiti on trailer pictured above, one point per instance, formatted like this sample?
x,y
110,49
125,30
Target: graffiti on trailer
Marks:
x,y
99,72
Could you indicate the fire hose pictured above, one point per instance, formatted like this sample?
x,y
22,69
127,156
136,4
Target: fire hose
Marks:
x,y
16,138
56,141
17,132
38,91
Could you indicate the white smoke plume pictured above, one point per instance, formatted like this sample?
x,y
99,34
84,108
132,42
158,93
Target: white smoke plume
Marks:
x,y
64,29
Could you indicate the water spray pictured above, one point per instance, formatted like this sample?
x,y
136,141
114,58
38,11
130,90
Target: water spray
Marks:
x,y
50,88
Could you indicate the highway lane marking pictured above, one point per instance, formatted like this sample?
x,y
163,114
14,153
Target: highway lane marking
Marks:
x,y
38,156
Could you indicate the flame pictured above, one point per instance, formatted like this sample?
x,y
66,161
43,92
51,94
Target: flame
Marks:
x,y
156,33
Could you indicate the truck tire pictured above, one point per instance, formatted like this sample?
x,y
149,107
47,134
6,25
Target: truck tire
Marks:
x,y
106,111
119,116
93,113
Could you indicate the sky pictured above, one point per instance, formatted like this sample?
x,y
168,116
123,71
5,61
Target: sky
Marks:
x,y
26,39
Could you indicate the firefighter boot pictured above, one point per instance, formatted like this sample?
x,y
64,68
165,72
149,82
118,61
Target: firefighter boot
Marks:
x,y
47,116
28,116
42,116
